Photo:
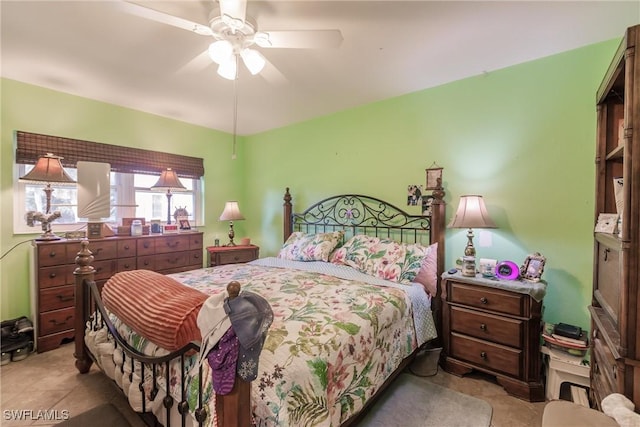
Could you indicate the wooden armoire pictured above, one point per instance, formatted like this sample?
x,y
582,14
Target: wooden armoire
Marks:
x,y
615,336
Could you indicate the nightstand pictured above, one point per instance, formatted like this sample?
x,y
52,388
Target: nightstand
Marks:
x,y
220,255
493,326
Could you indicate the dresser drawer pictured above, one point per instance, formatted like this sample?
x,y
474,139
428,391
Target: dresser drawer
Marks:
x,y
56,321
195,241
52,255
147,262
55,276
171,260
195,257
126,264
482,353
104,269
126,248
172,244
104,250
488,298
234,257
488,327
57,298
146,246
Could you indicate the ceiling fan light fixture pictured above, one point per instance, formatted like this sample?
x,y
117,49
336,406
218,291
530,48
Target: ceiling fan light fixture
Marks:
x,y
253,59
228,69
221,51
262,39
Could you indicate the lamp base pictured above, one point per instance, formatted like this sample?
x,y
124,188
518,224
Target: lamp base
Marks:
x,y
48,236
232,234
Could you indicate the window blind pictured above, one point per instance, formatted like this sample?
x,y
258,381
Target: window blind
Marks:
x,y
30,146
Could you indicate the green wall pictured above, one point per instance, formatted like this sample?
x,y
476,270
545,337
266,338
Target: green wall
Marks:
x,y
524,137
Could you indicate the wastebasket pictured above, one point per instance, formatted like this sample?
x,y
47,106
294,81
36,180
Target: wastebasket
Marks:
x,y
425,363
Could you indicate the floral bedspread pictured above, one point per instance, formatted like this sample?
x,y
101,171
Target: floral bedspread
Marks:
x,y
332,343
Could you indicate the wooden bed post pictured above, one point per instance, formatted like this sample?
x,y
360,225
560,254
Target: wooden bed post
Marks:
x,y
84,272
438,227
288,224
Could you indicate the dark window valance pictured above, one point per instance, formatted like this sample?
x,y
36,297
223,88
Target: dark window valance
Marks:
x,y
30,146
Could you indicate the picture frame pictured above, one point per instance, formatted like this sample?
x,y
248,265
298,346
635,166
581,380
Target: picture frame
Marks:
x,y
183,223
434,177
533,267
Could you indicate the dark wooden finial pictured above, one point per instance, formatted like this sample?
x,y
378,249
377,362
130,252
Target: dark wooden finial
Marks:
x,y
84,259
233,288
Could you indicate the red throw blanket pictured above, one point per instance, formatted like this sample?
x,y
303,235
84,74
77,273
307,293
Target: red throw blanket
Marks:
x,y
155,306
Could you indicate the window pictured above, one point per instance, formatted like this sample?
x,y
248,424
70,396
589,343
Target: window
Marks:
x,y
130,197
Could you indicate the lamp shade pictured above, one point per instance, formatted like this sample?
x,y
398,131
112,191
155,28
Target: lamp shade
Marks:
x,y
48,169
231,212
471,213
168,181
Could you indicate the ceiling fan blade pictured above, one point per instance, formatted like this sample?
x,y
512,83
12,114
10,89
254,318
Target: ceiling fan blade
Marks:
x,y
305,39
272,75
236,9
199,63
163,18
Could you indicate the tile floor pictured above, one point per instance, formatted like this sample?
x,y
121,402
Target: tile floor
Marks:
x,y
49,381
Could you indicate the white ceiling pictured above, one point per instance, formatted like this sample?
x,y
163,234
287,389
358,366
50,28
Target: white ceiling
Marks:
x,y
96,50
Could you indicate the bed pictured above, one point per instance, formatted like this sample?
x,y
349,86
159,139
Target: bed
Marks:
x,y
354,292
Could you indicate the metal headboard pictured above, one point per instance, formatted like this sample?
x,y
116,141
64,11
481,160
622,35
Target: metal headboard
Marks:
x,y
359,214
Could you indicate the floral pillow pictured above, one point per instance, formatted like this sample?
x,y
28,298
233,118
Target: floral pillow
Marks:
x,y
310,247
428,274
376,257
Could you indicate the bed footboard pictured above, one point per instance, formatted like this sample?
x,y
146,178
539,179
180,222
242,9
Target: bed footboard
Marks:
x,y
232,410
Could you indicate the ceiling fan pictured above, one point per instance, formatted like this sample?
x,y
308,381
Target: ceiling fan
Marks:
x,y
236,36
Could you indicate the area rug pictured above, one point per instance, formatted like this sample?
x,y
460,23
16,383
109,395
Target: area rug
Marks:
x,y
105,415
411,401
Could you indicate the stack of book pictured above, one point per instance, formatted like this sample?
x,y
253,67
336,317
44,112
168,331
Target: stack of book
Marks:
x,y
568,338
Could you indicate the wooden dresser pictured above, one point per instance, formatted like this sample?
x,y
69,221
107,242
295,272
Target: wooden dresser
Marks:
x,y
615,332
52,287
493,330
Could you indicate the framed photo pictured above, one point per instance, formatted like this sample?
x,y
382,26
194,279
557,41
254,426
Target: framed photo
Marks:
x,y
183,222
427,202
533,267
434,178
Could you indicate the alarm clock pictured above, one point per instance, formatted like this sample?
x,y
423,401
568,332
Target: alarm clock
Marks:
x,y
507,270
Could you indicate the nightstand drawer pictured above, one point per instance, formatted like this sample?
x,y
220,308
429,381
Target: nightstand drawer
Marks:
x,y
487,326
488,298
235,257
485,354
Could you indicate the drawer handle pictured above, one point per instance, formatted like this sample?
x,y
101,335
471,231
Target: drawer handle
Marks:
x,y
606,253
52,254
173,245
236,258
484,300
146,263
97,250
172,261
145,245
63,298
52,275
483,355
615,372
126,247
483,326
197,256
98,269
126,266
56,323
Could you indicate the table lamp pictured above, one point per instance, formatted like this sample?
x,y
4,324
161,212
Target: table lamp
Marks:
x,y
168,180
231,213
471,213
47,169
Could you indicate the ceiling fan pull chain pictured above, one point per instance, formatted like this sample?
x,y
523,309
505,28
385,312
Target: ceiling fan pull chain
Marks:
x,y
235,110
